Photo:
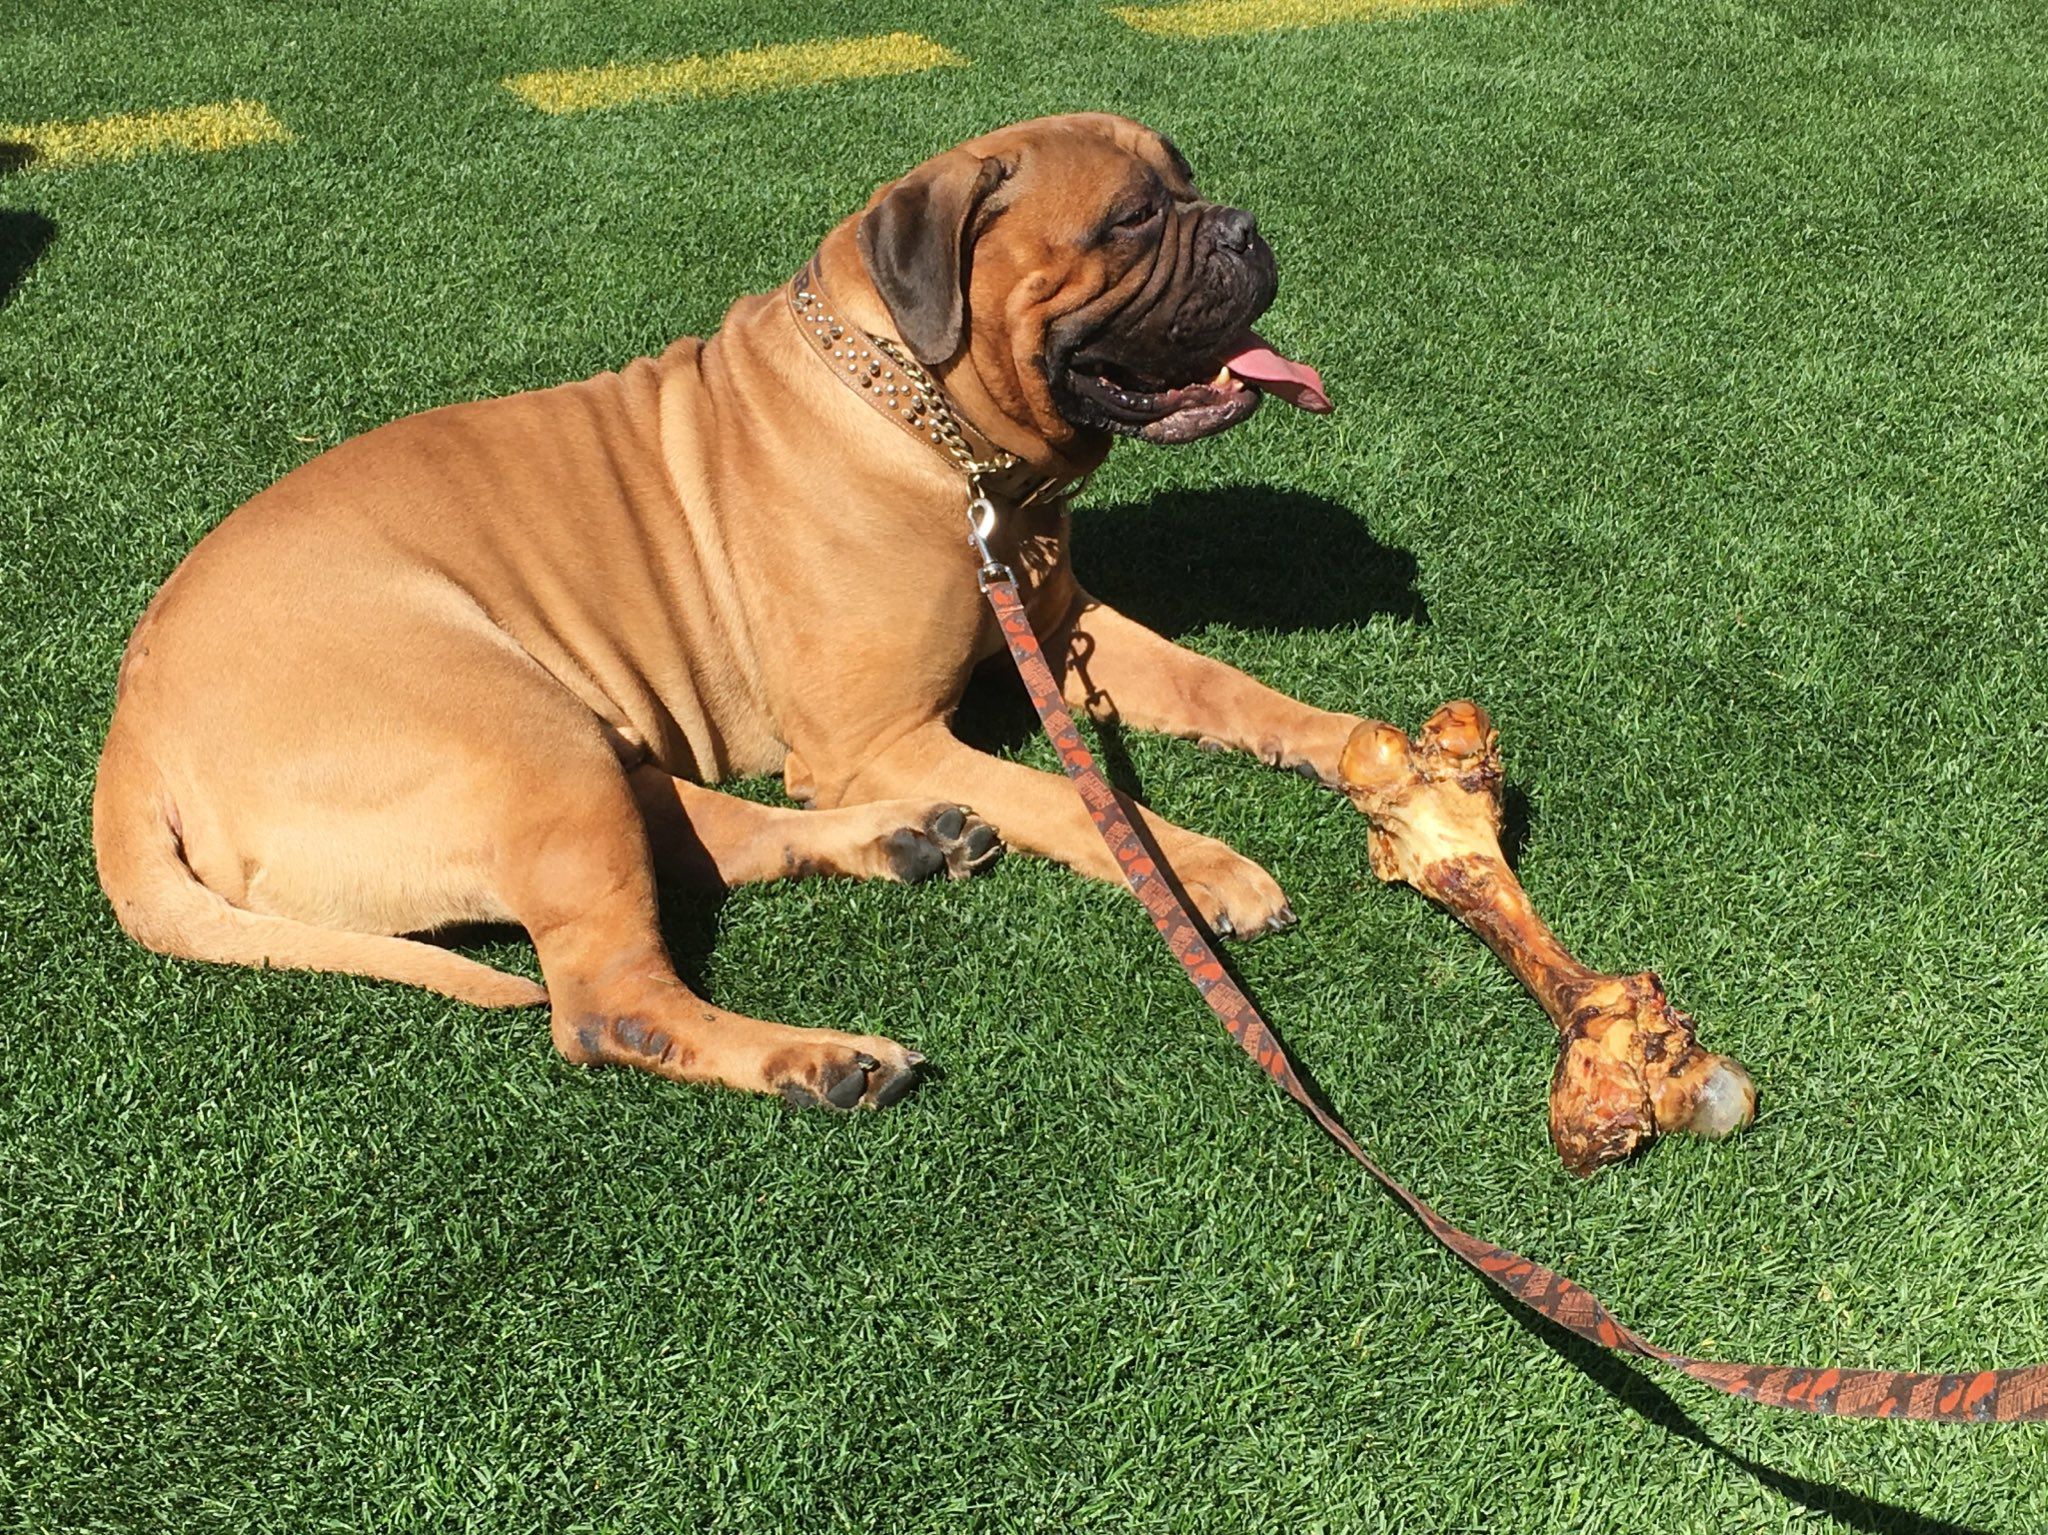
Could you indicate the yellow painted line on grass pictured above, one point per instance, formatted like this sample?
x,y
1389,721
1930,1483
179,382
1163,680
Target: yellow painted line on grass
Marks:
x,y
188,130
1217,18
774,68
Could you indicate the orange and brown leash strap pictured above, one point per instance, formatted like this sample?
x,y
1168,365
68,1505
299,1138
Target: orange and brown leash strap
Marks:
x,y
903,392
1990,1396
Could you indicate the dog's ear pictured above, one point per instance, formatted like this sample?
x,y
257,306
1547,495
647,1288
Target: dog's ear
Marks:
x,y
913,241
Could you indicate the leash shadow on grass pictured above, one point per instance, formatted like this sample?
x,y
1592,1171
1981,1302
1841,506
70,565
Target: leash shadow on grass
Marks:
x,y
24,233
1650,1401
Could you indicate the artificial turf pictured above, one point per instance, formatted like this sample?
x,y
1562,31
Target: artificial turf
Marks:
x,y
1691,361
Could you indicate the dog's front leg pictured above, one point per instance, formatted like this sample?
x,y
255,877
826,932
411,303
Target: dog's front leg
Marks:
x,y
1119,670
1040,813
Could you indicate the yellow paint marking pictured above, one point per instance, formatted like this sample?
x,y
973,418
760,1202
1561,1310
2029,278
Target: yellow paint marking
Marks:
x,y
1216,18
190,130
773,68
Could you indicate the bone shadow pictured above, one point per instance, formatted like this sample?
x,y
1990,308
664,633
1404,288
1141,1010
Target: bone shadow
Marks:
x,y
24,233
1517,819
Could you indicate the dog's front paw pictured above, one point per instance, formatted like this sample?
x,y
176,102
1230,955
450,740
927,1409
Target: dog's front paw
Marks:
x,y
1236,897
948,839
842,1071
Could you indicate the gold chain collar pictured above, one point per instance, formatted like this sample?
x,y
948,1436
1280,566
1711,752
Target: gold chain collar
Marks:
x,y
945,426
897,385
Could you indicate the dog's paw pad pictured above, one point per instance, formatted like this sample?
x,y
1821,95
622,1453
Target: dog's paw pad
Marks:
x,y
912,855
894,1085
980,847
951,839
850,1085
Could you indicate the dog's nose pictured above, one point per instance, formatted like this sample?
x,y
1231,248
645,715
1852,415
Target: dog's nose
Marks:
x,y
1234,229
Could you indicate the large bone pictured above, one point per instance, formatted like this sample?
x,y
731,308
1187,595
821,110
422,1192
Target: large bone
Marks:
x,y
1628,1067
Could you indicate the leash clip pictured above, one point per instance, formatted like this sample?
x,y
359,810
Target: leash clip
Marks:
x,y
981,522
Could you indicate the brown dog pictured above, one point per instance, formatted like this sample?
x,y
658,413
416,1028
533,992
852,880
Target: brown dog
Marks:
x,y
479,664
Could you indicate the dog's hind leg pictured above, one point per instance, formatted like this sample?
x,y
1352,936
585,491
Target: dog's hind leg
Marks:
x,y
431,774
701,834
576,870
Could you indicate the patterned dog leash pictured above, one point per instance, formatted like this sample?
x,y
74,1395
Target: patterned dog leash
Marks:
x,y
1988,1396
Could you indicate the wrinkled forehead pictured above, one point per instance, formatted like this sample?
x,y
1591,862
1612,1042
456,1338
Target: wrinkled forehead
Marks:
x,y
1075,167
1090,154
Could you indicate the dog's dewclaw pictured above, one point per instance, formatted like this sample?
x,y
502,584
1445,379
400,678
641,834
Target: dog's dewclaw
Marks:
x,y
1629,1067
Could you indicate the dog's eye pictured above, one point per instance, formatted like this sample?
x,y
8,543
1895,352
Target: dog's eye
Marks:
x,y
1137,218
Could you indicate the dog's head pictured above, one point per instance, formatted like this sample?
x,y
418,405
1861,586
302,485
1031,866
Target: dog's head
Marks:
x,y
1071,261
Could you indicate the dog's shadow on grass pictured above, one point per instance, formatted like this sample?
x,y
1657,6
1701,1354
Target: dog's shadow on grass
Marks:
x,y
1254,557
24,233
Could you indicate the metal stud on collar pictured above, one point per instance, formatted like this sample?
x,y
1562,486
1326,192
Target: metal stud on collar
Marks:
x,y
917,400
945,426
898,385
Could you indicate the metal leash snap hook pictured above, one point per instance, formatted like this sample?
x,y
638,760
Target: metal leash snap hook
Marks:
x,y
981,522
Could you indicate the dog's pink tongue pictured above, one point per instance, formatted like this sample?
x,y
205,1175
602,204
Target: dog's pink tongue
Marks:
x,y
1295,382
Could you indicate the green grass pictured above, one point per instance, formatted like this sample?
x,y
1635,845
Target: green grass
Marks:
x,y
1691,360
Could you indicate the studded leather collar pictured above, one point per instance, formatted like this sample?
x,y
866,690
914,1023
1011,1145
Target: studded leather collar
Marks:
x,y
897,386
